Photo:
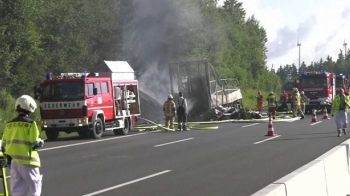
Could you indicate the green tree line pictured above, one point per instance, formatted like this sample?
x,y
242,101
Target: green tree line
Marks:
x,y
341,65
38,36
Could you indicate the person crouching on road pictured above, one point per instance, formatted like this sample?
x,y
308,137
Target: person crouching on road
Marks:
x,y
19,143
272,104
303,101
260,101
181,112
169,112
296,104
340,108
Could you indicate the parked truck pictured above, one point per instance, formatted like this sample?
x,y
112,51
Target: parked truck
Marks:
x,y
319,87
89,103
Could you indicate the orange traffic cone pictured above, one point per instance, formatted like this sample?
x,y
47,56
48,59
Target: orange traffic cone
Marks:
x,y
325,114
271,130
314,118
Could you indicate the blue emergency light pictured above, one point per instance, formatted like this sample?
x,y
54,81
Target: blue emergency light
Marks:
x,y
323,72
83,75
49,76
303,73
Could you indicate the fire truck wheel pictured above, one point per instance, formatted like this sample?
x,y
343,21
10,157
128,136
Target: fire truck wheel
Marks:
x,y
51,134
97,129
123,131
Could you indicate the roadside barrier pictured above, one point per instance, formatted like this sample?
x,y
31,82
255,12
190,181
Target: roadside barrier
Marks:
x,y
327,175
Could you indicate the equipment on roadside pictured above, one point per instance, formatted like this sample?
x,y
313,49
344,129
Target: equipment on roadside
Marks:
x,y
271,130
325,114
314,116
3,175
90,103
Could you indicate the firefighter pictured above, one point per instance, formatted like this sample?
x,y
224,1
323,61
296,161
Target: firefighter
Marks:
x,y
284,99
169,112
260,101
272,104
303,101
181,112
296,104
19,143
340,108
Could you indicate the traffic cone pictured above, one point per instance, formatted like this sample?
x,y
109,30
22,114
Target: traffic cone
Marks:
x,y
271,130
325,114
314,118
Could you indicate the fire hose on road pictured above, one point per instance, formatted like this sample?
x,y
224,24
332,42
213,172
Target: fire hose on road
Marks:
x,y
208,125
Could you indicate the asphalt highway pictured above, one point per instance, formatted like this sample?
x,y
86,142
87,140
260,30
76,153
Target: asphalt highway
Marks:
x,y
236,159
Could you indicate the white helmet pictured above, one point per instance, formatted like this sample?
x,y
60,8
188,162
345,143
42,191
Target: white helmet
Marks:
x,y
295,89
170,96
26,103
302,92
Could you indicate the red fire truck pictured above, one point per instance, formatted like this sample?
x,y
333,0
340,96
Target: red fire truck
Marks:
x,y
90,103
319,87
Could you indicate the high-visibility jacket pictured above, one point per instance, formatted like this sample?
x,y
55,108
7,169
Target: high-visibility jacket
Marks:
x,y
336,104
296,99
169,108
271,100
19,137
260,99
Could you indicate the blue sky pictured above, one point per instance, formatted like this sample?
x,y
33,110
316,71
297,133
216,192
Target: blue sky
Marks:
x,y
322,26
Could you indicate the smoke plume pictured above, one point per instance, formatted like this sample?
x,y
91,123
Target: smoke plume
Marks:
x,y
154,36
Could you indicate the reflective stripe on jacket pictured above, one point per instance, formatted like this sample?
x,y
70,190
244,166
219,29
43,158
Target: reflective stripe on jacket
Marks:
x,y
271,100
296,99
336,104
20,135
169,108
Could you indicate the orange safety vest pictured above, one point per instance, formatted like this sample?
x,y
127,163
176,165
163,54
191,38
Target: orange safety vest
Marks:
x,y
169,108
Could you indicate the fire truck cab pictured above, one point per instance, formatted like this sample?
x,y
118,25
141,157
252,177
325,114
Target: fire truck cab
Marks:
x,y
342,81
90,103
319,87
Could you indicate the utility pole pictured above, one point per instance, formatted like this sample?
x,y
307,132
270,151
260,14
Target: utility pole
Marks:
x,y
345,44
299,54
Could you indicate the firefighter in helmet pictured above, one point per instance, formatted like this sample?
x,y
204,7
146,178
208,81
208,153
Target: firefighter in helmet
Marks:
x,y
272,104
169,112
296,104
19,143
303,101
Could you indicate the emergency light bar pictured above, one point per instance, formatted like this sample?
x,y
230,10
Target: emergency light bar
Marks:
x,y
322,72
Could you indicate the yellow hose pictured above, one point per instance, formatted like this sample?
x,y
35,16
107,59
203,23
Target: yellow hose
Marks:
x,y
194,126
204,125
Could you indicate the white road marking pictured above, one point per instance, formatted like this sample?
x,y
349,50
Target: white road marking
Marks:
x,y
250,125
95,141
316,123
267,139
174,142
127,183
